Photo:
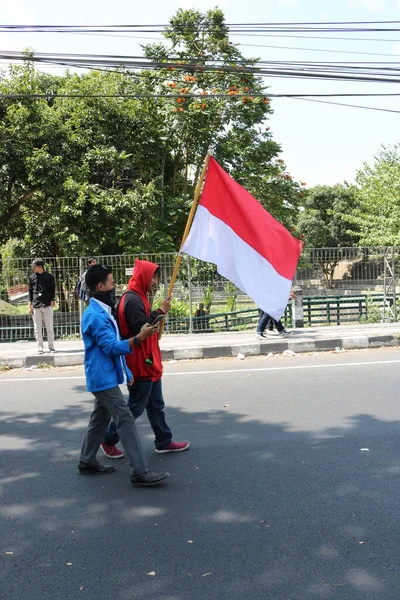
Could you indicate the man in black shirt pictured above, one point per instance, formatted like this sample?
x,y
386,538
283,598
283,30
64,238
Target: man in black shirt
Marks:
x,y
42,289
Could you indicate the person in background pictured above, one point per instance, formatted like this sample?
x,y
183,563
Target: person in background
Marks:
x,y
83,292
105,370
200,318
145,363
266,321
42,292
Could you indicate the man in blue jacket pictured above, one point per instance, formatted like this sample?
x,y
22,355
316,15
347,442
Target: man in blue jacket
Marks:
x,y
105,370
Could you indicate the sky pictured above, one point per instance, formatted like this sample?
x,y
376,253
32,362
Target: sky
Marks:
x,y
321,144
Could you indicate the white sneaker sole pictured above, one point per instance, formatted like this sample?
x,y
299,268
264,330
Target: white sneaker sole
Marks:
x,y
177,450
112,457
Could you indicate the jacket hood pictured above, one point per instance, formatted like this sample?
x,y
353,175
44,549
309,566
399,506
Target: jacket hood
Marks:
x,y
143,271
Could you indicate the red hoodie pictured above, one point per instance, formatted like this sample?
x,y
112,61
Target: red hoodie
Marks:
x,y
133,313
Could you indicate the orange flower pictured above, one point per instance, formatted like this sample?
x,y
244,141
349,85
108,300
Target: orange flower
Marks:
x,y
181,109
203,105
179,100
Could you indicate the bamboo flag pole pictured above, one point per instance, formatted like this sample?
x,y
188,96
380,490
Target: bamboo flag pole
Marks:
x,y
186,232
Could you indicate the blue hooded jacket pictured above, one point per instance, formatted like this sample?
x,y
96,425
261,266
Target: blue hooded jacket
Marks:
x,y
103,351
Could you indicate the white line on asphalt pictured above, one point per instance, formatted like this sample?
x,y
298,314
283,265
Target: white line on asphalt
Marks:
x,y
219,372
42,378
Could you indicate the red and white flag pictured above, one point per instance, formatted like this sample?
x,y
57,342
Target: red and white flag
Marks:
x,y
250,248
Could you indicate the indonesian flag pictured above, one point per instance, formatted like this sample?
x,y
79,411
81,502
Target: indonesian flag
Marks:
x,y
232,230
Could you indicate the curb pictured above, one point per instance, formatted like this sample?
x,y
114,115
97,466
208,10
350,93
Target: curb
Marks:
x,y
253,349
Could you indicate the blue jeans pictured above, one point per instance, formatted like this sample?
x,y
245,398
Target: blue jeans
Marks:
x,y
263,322
146,395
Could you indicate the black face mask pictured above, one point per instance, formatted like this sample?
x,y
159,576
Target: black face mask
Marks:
x,y
107,297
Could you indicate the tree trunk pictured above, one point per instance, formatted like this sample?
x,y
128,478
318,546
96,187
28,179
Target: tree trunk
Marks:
x,y
59,276
12,210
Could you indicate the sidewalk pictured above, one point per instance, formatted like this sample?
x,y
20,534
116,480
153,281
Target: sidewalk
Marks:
x,y
216,345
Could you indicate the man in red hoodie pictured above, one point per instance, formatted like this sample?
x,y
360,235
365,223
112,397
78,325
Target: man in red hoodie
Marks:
x,y
145,363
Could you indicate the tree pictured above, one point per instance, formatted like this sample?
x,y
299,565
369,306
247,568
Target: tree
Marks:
x,y
376,218
78,175
202,61
323,223
107,175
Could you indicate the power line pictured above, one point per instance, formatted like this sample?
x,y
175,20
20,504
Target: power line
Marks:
x,y
305,97
347,105
203,97
315,49
361,72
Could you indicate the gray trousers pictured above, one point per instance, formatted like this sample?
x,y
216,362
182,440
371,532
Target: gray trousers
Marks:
x,y
112,403
40,315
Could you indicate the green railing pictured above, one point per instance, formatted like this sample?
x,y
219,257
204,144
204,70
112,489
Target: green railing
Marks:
x,y
335,310
318,310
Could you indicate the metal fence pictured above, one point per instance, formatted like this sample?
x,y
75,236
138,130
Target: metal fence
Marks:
x,y
338,272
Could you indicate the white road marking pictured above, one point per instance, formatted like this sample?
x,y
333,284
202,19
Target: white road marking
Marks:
x,y
225,371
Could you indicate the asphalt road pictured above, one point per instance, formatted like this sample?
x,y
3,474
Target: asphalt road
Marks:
x,y
290,489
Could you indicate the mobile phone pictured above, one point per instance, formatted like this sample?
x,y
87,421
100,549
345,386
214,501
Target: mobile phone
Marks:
x,y
158,319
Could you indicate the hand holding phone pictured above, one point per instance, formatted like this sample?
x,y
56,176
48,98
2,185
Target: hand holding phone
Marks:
x,y
158,319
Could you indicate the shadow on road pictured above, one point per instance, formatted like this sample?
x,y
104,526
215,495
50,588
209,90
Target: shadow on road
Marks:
x,y
252,510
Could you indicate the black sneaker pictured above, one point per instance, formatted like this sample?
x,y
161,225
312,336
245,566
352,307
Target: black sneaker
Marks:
x,y
260,334
284,332
148,479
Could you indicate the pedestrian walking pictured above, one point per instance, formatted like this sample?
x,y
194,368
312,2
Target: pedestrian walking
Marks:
x,y
267,322
106,370
42,292
145,363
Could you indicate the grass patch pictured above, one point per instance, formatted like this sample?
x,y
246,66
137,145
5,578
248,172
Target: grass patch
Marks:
x,y
69,337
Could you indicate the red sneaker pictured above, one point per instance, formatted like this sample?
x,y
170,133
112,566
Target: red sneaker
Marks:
x,y
111,451
174,447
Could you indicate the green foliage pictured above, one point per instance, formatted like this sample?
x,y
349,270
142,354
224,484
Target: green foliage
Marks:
x,y
373,312
376,219
232,293
179,307
323,223
88,175
208,297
